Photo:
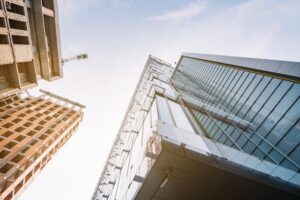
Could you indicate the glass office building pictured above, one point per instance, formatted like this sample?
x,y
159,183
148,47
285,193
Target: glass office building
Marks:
x,y
213,127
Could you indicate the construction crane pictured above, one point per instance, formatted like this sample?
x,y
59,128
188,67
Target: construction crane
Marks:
x,y
77,57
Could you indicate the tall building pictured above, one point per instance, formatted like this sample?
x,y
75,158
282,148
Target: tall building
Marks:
x,y
29,43
32,128
214,127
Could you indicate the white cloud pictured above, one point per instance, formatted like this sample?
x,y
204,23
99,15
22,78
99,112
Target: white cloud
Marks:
x,y
125,3
256,28
179,15
68,9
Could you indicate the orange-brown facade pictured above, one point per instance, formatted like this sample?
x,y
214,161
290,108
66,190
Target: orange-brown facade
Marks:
x,y
32,129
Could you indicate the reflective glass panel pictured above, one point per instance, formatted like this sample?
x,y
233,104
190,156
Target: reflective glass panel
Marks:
x,y
180,117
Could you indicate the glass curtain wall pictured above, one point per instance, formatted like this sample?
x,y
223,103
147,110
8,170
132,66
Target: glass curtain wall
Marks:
x,y
145,148
269,105
137,164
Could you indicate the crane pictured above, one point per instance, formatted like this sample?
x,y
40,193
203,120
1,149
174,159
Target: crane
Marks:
x,y
77,57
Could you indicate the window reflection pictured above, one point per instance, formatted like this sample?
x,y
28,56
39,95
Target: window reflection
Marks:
x,y
180,117
268,91
163,110
270,105
261,86
277,94
153,114
291,139
294,113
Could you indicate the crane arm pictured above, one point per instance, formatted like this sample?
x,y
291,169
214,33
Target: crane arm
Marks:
x,y
77,57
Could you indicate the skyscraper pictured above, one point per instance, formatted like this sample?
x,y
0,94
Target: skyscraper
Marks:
x,y
32,128
214,127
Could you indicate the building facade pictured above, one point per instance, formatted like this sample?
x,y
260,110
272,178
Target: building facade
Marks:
x,y
32,128
213,127
29,43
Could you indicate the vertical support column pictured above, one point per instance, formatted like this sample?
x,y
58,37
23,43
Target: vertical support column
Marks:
x,y
36,56
41,38
55,41
32,75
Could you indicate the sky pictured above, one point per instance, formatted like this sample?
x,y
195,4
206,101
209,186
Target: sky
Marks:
x,y
118,36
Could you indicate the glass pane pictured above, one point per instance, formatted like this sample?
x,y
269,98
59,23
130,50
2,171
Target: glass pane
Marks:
x,y
223,138
276,156
154,116
214,130
288,164
288,100
163,110
249,147
207,122
291,139
268,91
277,95
279,130
263,113
252,112
246,83
242,140
259,153
223,83
295,155
232,84
252,86
147,130
235,135
264,82
229,81
265,147
268,124
214,79
238,85
210,126
180,117
294,112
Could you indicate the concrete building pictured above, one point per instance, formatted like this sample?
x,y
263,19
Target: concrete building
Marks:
x,y
32,128
29,43
214,127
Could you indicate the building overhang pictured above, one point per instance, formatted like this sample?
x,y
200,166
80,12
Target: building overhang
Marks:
x,y
181,173
284,69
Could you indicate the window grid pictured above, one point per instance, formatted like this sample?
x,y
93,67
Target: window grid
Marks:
x,y
252,97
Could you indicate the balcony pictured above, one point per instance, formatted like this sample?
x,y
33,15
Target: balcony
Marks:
x,y
27,74
193,167
6,71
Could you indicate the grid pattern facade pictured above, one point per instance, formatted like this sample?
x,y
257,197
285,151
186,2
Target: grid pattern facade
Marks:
x,y
32,129
267,107
29,50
